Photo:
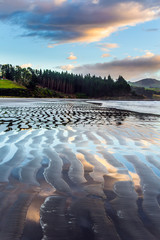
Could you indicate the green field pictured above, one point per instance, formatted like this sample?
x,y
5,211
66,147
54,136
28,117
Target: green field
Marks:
x,y
4,83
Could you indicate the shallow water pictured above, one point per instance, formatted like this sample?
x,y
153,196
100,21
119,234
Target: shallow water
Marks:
x,y
150,107
76,170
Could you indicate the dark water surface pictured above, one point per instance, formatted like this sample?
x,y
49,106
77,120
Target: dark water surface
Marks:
x,y
72,170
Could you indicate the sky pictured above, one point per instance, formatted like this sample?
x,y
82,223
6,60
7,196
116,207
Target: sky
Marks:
x,y
99,37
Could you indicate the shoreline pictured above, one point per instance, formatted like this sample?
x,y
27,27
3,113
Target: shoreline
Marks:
x,y
74,98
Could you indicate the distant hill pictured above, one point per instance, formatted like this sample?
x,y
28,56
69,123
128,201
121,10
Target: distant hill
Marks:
x,y
146,83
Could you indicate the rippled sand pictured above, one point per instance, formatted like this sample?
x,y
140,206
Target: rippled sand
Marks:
x,y
73,170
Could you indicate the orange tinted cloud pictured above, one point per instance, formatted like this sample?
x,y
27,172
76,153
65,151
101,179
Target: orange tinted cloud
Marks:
x,y
77,21
67,67
72,57
105,55
26,65
108,45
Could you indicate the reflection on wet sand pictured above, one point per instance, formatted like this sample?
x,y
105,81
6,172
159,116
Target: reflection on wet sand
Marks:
x,y
78,171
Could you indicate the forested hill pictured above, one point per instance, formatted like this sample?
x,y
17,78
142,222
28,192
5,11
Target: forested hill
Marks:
x,y
68,83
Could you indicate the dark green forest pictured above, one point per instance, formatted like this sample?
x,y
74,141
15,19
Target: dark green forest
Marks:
x,y
68,83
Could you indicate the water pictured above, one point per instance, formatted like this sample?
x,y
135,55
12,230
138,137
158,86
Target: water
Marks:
x,y
74,170
150,107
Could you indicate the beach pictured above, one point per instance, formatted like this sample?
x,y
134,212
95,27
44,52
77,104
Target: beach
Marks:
x,y
73,170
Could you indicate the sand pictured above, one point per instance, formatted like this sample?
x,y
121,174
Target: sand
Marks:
x,y
73,170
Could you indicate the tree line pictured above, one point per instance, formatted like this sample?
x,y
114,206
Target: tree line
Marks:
x,y
68,83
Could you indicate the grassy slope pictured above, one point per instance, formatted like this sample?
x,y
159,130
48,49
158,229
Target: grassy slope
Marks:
x,y
11,89
4,83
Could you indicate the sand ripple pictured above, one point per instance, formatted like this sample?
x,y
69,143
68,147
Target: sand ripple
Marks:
x,y
71,170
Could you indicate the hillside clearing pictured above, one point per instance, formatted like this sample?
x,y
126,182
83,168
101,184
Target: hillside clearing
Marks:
x,y
4,83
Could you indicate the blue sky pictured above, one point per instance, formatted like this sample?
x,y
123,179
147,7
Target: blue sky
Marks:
x,y
91,36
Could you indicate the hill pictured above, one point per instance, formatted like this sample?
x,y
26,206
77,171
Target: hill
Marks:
x,y
8,84
12,89
146,83
148,87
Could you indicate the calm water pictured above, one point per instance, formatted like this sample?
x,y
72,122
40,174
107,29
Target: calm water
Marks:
x,y
75,170
150,107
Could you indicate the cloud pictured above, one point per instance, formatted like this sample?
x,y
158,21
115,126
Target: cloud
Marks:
x,y
95,1
105,55
64,21
71,57
152,29
51,45
66,67
147,54
59,2
109,45
129,68
26,65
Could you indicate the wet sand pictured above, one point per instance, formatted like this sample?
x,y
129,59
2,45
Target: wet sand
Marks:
x,y
71,170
